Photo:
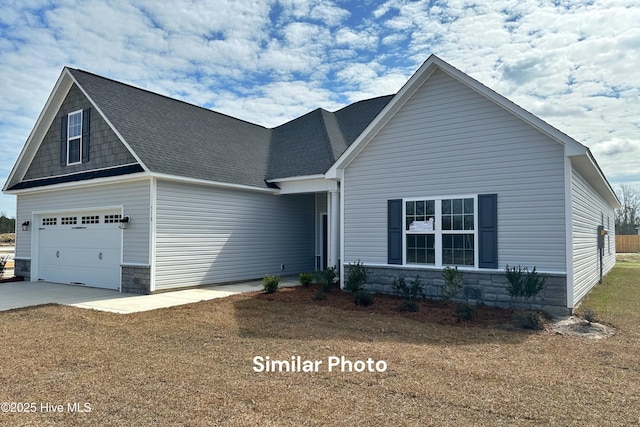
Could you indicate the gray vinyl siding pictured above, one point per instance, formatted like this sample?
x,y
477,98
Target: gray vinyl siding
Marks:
x,y
588,210
448,140
207,235
134,196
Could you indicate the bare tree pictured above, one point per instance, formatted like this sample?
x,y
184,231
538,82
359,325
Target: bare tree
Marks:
x,y
628,216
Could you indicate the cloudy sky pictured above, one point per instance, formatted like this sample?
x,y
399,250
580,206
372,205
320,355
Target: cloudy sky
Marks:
x,y
573,63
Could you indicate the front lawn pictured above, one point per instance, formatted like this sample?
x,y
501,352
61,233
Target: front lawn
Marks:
x,y
193,366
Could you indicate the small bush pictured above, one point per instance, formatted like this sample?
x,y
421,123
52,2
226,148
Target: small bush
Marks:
x,y
320,296
411,306
590,315
357,277
270,283
306,279
465,312
452,283
522,283
363,298
328,278
530,320
410,292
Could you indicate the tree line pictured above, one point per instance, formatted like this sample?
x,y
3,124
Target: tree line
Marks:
x,y
628,216
7,225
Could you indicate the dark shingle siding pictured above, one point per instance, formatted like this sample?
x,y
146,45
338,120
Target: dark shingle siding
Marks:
x,y
177,138
107,151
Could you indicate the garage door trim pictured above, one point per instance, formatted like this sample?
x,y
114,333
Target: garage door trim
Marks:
x,y
35,235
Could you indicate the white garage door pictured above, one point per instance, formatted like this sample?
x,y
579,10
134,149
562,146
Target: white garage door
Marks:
x,y
80,248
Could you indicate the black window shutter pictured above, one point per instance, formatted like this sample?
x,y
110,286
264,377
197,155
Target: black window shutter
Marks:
x,y
488,230
63,141
394,231
86,120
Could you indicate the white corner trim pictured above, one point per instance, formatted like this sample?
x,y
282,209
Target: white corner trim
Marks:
x,y
153,189
568,218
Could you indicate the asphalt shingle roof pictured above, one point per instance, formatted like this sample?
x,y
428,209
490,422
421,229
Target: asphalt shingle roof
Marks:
x,y
177,138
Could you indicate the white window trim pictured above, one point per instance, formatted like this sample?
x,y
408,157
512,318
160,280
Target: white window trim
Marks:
x,y
438,232
79,137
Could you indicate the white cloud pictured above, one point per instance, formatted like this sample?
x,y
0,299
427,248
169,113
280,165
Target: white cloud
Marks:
x,y
276,103
362,39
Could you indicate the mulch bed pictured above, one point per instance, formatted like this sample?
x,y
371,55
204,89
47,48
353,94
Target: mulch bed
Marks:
x,y
430,311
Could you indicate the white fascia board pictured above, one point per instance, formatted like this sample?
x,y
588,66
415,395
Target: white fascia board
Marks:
x,y
39,130
295,178
212,183
83,183
111,126
307,186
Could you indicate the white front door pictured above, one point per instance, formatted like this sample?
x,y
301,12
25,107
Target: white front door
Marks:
x,y
80,248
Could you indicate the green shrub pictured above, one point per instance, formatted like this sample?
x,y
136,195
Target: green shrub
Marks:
x,y
452,283
328,278
465,312
522,283
363,298
411,306
270,283
531,320
590,315
320,296
357,277
306,279
410,292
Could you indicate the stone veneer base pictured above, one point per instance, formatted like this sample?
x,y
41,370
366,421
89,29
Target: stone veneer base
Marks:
x,y
488,287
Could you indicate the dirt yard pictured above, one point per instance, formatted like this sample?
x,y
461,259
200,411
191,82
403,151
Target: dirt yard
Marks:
x,y
195,365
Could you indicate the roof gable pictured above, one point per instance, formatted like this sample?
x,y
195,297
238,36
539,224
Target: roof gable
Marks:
x,y
169,137
176,138
426,70
310,144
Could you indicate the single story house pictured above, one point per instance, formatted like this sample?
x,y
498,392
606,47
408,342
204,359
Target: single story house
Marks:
x,y
122,188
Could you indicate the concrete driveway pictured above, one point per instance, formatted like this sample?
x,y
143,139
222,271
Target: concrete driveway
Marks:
x,y
26,294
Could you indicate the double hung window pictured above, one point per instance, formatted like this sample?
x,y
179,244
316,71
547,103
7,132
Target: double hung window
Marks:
x,y
441,232
74,138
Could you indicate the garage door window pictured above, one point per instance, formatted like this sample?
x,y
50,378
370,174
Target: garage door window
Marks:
x,y
68,220
91,219
111,219
49,221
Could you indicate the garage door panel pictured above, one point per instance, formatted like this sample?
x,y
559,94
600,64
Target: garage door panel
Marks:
x,y
80,248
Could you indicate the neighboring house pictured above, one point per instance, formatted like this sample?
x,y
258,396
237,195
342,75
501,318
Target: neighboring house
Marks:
x,y
122,188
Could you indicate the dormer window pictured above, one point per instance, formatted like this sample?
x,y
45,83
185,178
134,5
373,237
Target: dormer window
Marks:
x,y
74,138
